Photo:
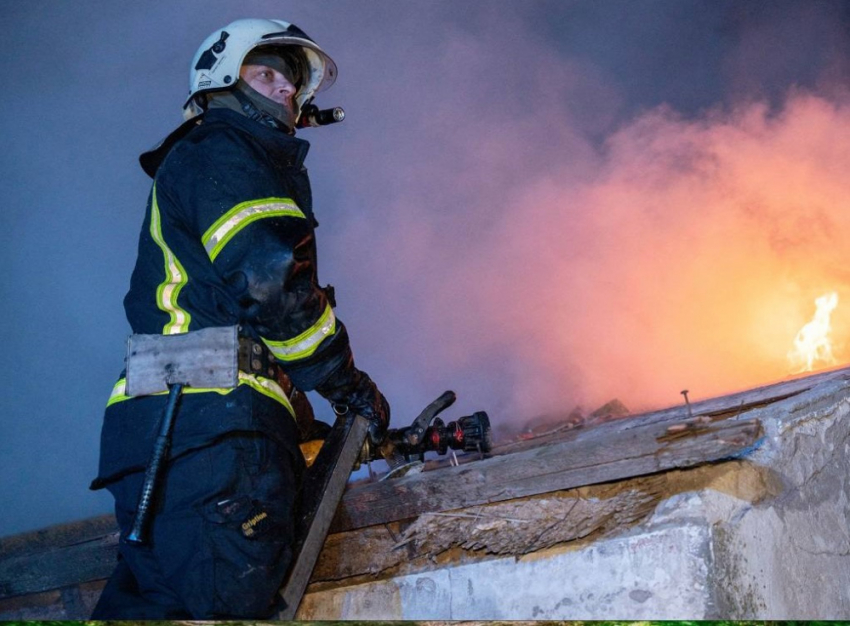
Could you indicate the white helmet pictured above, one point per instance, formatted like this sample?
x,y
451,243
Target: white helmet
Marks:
x,y
217,62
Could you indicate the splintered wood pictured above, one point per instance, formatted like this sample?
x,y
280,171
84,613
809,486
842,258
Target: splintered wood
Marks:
x,y
515,527
524,526
520,527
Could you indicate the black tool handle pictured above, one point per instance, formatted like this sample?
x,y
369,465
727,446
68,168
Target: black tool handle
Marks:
x,y
413,435
138,532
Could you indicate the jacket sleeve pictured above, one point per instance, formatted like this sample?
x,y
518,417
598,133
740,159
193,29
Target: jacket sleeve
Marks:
x,y
255,223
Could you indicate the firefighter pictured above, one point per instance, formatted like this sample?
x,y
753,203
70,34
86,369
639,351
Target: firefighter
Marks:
x,y
228,239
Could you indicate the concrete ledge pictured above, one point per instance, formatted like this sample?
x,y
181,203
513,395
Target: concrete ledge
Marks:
x,y
663,572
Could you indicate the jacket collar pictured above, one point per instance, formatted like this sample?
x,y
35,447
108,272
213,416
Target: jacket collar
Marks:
x,y
287,149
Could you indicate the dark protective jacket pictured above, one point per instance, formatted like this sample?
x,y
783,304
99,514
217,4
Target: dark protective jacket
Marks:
x,y
228,239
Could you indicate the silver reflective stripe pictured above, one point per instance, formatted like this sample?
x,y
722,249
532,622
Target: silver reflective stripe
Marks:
x,y
307,342
237,218
119,393
175,278
267,387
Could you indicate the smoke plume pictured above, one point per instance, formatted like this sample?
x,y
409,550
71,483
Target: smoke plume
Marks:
x,y
537,255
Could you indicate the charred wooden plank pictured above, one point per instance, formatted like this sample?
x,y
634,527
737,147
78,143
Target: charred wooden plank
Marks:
x,y
738,403
57,536
589,460
32,572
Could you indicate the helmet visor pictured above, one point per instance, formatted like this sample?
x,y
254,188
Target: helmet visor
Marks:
x,y
288,60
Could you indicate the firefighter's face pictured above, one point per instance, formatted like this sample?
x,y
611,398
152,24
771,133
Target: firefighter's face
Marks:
x,y
269,82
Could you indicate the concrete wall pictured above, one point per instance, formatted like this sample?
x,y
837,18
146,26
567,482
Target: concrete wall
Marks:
x,y
613,579
761,538
789,557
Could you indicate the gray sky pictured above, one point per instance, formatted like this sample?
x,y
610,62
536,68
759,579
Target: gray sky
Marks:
x,y
537,204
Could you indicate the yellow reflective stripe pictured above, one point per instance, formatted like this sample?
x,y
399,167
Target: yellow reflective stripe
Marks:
x,y
307,342
119,393
175,278
265,386
237,218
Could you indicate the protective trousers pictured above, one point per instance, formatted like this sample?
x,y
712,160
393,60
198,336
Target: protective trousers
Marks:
x,y
220,541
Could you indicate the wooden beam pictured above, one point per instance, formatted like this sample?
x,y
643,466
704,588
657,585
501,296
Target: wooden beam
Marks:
x,y
58,556
603,455
59,566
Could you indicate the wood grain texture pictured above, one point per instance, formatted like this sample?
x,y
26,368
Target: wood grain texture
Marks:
x,y
606,457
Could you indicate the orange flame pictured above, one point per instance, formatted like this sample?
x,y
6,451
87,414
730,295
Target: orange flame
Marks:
x,y
812,344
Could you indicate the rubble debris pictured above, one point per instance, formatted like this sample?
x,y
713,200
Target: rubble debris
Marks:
x,y
548,423
614,409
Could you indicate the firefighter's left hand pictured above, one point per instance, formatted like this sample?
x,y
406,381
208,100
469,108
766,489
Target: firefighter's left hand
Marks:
x,y
352,389
371,404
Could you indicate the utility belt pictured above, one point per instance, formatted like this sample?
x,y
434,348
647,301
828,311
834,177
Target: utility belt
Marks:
x,y
254,357
210,358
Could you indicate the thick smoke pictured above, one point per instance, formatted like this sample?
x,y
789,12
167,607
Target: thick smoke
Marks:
x,y
689,261
537,257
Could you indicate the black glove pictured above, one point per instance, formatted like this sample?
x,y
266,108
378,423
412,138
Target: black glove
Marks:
x,y
354,389
377,410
